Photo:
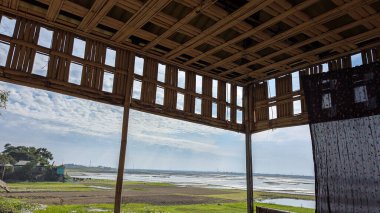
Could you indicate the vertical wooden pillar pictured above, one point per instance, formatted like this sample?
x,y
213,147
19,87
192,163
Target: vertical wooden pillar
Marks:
x,y
248,146
124,134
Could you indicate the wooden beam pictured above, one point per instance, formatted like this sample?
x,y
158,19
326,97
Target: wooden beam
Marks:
x,y
242,13
310,40
330,15
54,8
180,23
141,17
248,147
124,134
253,31
98,10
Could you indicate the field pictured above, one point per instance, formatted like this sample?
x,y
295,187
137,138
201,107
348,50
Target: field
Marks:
x,y
97,195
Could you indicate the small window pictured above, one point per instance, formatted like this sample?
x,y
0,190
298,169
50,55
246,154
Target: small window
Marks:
x,y
271,88
239,96
7,26
215,88
239,116
297,107
161,73
295,81
160,93
198,84
136,89
180,101
272,112
325,67
108,82
139,66
79,47
110,57
40,65
360,94
214,110
356,60
228,92
228,113
4,49
75,73
181,79
45,38
326,101
198,106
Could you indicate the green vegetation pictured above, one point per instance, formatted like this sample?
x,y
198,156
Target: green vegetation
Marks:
x,y
15,206
4,95
85,185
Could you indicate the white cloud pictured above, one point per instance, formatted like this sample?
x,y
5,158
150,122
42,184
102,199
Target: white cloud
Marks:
x,y
66,115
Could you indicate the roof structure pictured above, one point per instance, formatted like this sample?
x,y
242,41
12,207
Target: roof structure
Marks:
x,y
232,64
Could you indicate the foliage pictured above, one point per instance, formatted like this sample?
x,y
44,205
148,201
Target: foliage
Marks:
x,y
9,205
4,95
36,155
4,159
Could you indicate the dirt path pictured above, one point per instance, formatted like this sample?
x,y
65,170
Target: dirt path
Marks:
x,y
159,195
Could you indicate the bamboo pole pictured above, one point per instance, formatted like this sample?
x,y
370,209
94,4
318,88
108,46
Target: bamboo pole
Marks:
x,y
248,147
123,145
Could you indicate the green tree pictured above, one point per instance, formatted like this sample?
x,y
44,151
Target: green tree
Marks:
x,y
4,95
37,155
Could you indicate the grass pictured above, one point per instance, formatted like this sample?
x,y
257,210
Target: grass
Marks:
x,y
84,185
146,208
10,205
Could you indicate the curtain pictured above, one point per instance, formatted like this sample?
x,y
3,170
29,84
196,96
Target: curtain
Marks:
x,y
343,109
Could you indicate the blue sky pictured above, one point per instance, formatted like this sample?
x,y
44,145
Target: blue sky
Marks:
x,y
79,131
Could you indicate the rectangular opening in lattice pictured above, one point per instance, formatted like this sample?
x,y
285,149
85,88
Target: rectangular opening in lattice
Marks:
x,y
198,106
79,47
180,101
139,66
239,116
228,113
326,101
215,88
360,94
160,93
239,96
181,79
325,67
272,112
7,26
161,73
356,60
136,94
297,109
214,110
228,92
295,81
108,82
4,49
110,57
40,65
75,73
271,88
198,84
45,37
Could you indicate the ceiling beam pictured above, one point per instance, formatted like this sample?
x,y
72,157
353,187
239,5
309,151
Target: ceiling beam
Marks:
x,y
180,23
141,17
330,15
229,21
54,8
98,10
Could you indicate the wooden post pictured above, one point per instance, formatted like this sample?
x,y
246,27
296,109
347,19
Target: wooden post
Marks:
x,y
123,145
248,146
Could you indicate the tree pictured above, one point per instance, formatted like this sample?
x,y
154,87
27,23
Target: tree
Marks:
x,y
4,95
37,155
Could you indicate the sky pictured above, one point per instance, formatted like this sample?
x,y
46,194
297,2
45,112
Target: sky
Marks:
x,y
88,133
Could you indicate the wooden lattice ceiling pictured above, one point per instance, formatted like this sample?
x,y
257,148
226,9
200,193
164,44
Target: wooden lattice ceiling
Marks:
x,y
234,40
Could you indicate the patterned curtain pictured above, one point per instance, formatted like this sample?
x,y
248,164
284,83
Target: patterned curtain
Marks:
x,y
344,113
